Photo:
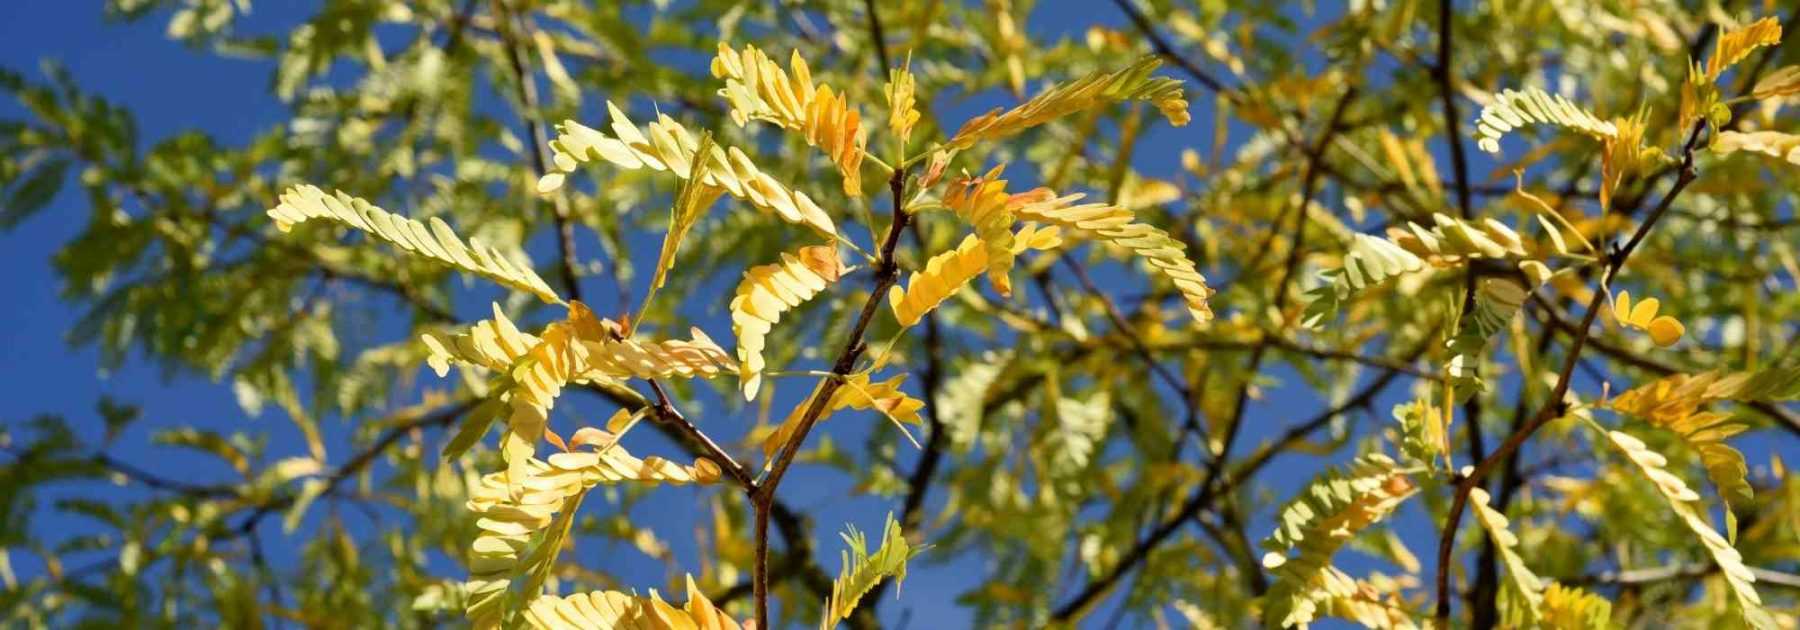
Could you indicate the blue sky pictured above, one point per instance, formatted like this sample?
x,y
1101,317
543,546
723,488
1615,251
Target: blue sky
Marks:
x,y
172,88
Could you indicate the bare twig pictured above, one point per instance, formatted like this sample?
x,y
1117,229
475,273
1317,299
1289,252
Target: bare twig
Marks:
x,y
1767,577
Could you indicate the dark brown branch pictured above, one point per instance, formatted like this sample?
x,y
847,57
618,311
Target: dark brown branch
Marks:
x,y
1217,464
919,483
1554,406
540,141
887,272
797,562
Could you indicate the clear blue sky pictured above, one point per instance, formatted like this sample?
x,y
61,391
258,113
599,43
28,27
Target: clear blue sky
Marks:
x,y
171,88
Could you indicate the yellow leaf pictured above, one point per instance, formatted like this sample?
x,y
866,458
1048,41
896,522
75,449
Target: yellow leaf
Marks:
x,y
983,202
766,292
1117,225
693,200
1133,82
1781,82
855,393
1776,144
1738,43
1641,314
438,242
946,273
670,146
1665,331
757,87
902,115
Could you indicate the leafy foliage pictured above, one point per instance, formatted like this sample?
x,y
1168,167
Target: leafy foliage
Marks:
x,y
1522,600
1067,445
439,243
1681,501
756,87
1513,109
948,272
1314,525
667,145
1663,329
1568,608
1369,261
1674,402
862,570
1776,144
612,609
1114,224
766,292
1131,83
856,393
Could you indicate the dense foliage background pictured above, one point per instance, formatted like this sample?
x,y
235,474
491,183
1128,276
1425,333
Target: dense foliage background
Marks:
x,y
242,430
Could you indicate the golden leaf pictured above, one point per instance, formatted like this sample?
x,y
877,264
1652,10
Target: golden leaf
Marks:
x,y
766,292
1738,43
757,87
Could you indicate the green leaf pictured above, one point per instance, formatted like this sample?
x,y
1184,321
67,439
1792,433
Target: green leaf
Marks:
x,y
862,571
33,194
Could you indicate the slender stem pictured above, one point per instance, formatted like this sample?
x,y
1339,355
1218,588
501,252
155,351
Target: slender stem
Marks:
x,y
356,464
666,412
1124,327
1682,571
881,51
540,140
1554,406
1217,465
887,272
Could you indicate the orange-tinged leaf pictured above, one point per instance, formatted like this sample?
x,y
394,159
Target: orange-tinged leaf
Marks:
x,y
1665,331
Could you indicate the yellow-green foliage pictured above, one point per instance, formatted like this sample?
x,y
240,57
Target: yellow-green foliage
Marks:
x,y
1071,446
1315,524
862,570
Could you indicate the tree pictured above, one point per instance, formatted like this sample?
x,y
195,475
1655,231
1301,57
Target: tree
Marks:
x,y
1088,358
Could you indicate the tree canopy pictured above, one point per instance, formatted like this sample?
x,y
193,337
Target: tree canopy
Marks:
x,y
1208,314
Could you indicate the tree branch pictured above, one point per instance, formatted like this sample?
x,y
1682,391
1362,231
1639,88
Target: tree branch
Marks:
x,y
1217,464
887,272
1554,406
540,145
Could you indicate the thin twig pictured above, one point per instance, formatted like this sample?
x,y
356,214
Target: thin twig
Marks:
x,y
1167,51
1554,406
540,140
1217,464
1766,577
887,272
440,418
